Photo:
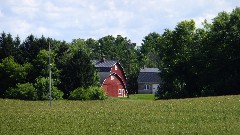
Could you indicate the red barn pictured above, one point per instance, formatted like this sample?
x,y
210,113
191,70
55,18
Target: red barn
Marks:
x,y
112,77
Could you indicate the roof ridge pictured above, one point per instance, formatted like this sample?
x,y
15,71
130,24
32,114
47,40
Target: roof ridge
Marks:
x,y
154,70
105,63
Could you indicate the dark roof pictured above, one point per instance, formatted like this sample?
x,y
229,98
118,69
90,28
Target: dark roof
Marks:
x,y
103,76
149,75
105,63
150,70
104,67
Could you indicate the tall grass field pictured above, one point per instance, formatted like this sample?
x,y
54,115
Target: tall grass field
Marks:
x,y
209,115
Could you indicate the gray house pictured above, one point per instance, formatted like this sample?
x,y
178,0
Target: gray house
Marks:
x,y
148,80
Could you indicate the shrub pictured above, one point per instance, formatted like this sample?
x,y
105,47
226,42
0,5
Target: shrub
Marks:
x,y
56,93
97,93
91,93
79,94
42,86
24,91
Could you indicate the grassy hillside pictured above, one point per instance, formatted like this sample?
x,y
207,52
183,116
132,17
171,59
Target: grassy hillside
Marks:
x,y
211,115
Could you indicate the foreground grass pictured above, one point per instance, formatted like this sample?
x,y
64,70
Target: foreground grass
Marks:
x,y
140,97
212,115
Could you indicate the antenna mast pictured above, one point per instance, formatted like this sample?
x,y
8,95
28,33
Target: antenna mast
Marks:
x,y
50,75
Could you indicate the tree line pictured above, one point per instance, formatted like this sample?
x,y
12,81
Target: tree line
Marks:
x,y
198,61
193,61
24,67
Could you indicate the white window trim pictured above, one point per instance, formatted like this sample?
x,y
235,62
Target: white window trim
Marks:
x,y
116,68
119,91
146,87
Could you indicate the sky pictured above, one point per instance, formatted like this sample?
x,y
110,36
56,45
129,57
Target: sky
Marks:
x,y
134,19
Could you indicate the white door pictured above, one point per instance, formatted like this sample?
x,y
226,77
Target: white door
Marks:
x,y
154,88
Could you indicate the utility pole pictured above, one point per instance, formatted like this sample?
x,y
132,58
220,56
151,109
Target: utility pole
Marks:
x,y
50,75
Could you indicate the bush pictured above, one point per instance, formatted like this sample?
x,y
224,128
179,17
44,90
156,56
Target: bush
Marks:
x,y
96,93
24,91
79,94
42,86
91,93
56,93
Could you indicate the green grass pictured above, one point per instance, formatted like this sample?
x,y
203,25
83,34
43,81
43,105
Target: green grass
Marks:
x,y
140,97
210,115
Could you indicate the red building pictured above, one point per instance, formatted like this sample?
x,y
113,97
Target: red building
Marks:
x,y
112,77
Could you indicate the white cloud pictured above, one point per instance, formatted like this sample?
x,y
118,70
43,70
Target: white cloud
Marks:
x,y
200,20
134,19
26,8
46,32
1,13
20,27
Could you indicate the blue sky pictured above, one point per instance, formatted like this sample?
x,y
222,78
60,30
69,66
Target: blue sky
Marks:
x,y
134,19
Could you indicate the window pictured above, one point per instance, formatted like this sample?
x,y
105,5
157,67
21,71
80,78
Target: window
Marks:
x,y
120,91
112,77
116,67
146,87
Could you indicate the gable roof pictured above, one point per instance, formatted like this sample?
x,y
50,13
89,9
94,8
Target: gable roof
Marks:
x,y
105,63
104,68
103,76
149,75
149,70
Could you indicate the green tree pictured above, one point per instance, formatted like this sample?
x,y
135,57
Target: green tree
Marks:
x,y
223,52
7,46
201,62
30,48
106,46
41,65
95,48
42,86
76,68
12,73
149,50
40,75
176,51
